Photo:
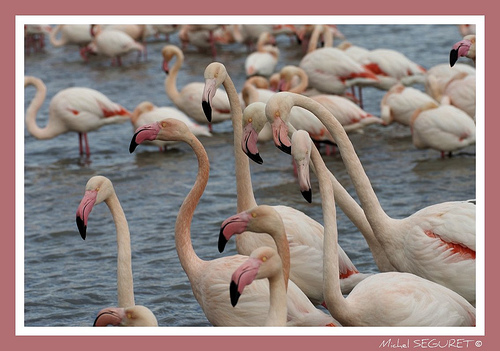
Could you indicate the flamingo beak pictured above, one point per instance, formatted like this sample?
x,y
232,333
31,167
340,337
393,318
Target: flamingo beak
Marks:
x,y
236,224
208,94
83,211
280,136
249,143
146,132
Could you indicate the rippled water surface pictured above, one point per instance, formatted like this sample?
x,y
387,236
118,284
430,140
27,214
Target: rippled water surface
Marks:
x,y
68,280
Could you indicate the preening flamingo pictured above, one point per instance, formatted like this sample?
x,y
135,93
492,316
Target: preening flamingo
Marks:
x,y
437,243
461,92
444,128
210,279
146,113
384,299
75,109
438,77
263,263
301,229
70,34
189,97
464,48
399,103
254,119
263,61
100,189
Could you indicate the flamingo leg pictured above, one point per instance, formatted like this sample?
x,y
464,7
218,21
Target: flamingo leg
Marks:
x,y
87,148
80,143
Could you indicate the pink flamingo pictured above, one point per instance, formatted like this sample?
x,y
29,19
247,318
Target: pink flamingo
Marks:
x,y
75,109
464,48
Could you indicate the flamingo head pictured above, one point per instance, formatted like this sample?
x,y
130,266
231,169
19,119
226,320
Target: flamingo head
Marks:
x,y
97,190
462,48
215,75
301,152
135,316
169,129
263,262
254,119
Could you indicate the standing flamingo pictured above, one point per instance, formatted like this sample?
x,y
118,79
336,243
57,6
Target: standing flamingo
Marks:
x,y
464,48
437,243
300,228
112,43
209,279
188,98
445,128
404,298
75,109
146,113
100,189
263,263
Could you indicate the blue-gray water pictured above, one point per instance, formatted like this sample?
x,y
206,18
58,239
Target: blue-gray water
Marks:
x,y
68,280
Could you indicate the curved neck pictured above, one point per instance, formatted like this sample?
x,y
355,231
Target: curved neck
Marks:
x,y
53,36
317,31
171,79
246,198
369,202
50,130
277,315
125,280
335,301
304,81
189,260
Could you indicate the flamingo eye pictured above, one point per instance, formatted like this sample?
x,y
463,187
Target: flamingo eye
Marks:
x,y
163,124
249,120
264,258
254,215
277,114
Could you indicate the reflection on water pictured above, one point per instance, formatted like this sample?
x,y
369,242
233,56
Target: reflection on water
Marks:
x,y
67,279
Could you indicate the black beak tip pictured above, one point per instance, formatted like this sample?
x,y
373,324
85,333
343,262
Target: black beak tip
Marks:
x,y
255,157
233,292
285,149
133,144
222,242
453,57
82,228
207,110
307,194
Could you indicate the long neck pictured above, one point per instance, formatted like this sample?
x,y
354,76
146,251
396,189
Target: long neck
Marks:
x,y
334,299
304,81
357,216
283,249
125,281
244,188
369,202
50,130
278,308
189,260
171,79
53,37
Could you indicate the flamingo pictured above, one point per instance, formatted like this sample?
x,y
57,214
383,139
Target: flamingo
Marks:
x,y
263,61
464,48
112,43
461,92
437,243
466,29
100,189
331,70
209,279
70,34
399,103
438,76
352,117
256,88
301,229
445,128
188,98
254,118
384,299
75,109
146,113
201,36
263,263
34,37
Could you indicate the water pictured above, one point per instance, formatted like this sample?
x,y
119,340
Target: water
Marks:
x,y
68,280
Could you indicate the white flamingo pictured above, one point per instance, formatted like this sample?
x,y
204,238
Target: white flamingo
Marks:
x,y
70,34
461,92
189,97
263,61
263,263
100,189
438,77
112,43
146,113
404,298
464,48
444,128
209,279
75,109
399,103
301,229
437,243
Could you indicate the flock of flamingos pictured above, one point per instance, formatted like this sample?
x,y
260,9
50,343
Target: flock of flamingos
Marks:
x,y
288,263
